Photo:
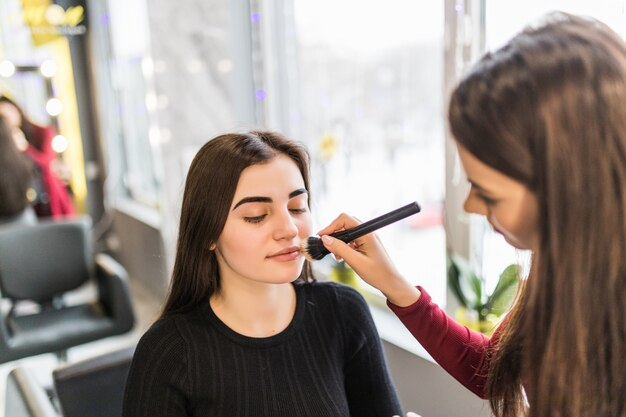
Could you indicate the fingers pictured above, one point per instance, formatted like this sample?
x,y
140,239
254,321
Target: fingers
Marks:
x,y
341,250
342,222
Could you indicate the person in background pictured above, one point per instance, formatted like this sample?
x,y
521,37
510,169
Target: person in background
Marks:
x,y
53,198
540,127
16,178
246,330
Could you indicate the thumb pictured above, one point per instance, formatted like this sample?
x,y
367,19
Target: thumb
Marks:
x,y
340,249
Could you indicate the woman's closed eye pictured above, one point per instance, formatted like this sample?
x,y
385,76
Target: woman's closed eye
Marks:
x,y
487,200
260,218
255,219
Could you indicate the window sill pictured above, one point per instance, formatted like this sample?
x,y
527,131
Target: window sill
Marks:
x,y
145,214
391,330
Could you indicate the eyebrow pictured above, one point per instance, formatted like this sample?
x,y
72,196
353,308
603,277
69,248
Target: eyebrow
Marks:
x,y
474,184
480,187
261,199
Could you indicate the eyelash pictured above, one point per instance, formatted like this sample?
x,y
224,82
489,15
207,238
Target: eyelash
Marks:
x,y
487,200
259,219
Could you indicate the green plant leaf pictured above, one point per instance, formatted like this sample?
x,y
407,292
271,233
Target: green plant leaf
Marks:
x,y
504,293
476,285
454,281
464,283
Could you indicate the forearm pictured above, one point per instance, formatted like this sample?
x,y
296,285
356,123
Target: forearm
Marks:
x,y
400,292
460,351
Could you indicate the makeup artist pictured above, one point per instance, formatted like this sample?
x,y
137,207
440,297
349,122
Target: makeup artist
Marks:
x,y
540,127
246,330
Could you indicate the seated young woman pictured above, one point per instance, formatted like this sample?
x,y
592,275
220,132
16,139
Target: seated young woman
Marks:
x,y
246,330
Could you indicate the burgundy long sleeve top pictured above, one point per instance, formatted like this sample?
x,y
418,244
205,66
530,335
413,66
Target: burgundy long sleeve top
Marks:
x,y
460,351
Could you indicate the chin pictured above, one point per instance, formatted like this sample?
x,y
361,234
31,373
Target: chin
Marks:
x,y
515,243
283,277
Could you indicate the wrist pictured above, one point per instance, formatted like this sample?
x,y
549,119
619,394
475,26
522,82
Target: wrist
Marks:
x,y
402,293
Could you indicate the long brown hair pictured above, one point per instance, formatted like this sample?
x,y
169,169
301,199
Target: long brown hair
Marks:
x,y
26,125
17,171
209,191
549,110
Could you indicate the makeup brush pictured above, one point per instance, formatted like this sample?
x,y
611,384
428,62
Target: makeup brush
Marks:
x,y
313,248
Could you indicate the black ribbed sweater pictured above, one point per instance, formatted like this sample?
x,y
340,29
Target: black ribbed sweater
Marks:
x,y
328,362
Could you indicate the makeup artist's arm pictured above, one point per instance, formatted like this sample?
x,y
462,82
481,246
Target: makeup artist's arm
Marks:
x,y
460,351
367,256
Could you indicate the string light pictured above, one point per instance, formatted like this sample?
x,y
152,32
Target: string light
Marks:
x,y
260,95
59,143
48,68
7,69
54,107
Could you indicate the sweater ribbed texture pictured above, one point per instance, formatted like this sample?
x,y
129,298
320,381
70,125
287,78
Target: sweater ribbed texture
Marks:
x,y
327,362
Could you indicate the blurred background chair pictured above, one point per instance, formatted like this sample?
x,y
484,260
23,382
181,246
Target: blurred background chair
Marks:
x,y
93,387
39,265
25,397
25,217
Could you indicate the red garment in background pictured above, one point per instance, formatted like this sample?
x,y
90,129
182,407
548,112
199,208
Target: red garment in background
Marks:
x,y
460,351
42,154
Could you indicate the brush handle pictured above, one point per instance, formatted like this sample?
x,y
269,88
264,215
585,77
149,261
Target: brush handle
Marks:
x,y
381,221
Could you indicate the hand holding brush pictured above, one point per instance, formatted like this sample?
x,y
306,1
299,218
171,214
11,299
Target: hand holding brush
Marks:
x,y
313,248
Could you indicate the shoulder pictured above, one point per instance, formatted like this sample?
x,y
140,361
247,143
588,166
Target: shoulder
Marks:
x,y
42,130
41,134
162,340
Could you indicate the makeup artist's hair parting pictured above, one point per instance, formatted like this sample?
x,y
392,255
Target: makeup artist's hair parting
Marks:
x,y
209,191
549,110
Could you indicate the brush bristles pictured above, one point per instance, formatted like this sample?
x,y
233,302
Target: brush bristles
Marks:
x,y
313,249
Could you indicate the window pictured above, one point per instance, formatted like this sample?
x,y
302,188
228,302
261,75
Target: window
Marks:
x,y
364,91
124,70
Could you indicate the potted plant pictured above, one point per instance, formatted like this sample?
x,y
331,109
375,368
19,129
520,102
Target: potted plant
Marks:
x,y
479,310
342,273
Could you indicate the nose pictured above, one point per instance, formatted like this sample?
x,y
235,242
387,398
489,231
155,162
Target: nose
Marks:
x,y
285,227
473,205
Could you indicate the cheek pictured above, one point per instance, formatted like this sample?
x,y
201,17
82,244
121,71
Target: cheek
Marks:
x,y
518,223
238,241
305,225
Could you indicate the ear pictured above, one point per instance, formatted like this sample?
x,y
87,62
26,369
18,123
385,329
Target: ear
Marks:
x,y
212,247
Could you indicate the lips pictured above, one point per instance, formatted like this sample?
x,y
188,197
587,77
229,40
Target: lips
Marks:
x,y
287,254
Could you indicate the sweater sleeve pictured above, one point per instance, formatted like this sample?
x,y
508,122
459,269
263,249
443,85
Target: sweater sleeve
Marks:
x,y
460,351
157,384
369,388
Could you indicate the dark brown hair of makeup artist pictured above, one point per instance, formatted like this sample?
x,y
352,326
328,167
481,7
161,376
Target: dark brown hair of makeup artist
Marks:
x,y
549,110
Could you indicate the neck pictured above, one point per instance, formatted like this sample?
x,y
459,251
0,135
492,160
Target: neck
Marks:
x,y
255,309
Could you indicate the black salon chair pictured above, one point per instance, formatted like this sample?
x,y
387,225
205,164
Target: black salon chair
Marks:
x,y
25,397
39,265
93,387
